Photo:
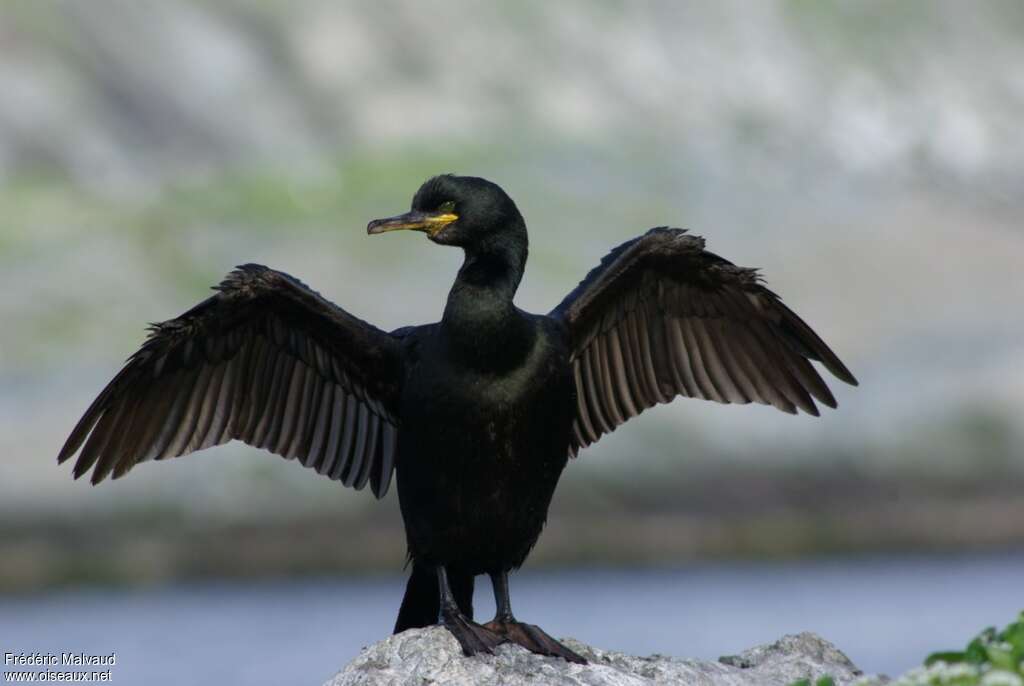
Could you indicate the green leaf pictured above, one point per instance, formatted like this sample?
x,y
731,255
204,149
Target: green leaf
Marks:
x,y
1002,659
976,649
948,656
1014,635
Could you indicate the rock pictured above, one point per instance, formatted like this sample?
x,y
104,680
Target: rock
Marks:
x,y
431,656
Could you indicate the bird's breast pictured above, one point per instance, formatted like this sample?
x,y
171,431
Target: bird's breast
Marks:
x,y
471,409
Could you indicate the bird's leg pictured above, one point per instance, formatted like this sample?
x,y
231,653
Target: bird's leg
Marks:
x,y
471,636
501,598
529,636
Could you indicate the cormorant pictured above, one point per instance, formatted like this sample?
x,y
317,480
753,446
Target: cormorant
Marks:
x,y
477,414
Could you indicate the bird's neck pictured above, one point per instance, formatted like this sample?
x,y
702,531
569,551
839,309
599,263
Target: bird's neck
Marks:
x,y
480,320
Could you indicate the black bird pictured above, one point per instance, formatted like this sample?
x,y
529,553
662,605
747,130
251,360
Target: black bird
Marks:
x,y
476,414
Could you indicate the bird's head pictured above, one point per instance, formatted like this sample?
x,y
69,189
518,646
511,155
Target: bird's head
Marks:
x,y
464,211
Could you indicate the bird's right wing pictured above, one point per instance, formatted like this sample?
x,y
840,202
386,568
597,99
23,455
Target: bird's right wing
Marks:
x,y
266,361
661,317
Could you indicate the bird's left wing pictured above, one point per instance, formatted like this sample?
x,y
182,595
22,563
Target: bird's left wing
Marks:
x,y
266,361
661,317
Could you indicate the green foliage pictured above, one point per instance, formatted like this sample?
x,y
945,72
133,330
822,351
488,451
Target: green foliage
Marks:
x,y
823,681
992,658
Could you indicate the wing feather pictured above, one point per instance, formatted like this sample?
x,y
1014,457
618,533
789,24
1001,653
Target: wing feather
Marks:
x,y
315,454
621,371
338,419
372,435
661,317
98,439
381,478
351,426
265,360
591,387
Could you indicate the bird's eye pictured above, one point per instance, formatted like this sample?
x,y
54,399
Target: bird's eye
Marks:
x,y
447,206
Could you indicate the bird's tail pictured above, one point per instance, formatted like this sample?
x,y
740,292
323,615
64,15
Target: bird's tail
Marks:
x,y
422,602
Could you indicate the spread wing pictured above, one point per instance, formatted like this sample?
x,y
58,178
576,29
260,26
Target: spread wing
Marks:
x,y
266,361
661,317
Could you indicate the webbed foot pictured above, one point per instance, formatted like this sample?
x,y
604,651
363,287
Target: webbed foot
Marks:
x,y
471,636
533,638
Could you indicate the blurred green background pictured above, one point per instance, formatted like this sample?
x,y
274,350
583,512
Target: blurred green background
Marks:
x,y
866,155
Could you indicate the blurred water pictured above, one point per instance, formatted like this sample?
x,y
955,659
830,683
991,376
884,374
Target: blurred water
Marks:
x,y
885,613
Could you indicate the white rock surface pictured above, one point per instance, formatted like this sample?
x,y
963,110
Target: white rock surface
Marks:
x,y
431,656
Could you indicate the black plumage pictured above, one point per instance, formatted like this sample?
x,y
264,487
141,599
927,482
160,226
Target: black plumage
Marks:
x,y
477,414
